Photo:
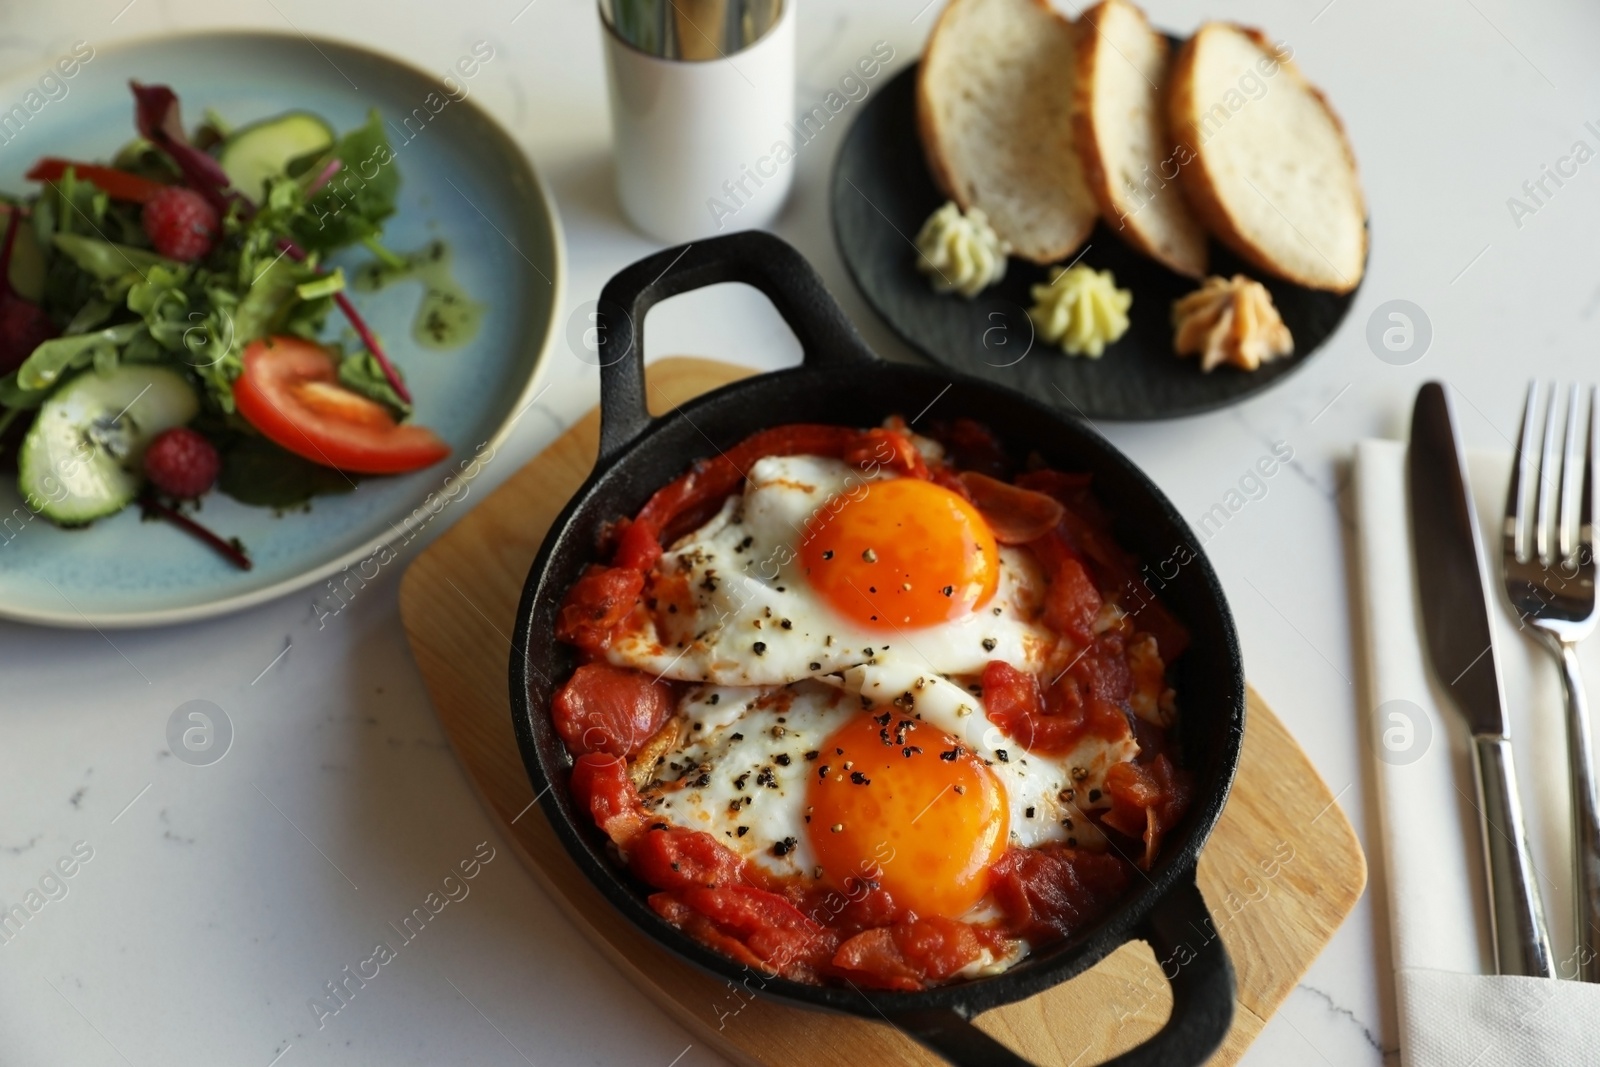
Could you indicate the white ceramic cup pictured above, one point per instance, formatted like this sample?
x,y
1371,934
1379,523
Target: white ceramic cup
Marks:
x,y
696,140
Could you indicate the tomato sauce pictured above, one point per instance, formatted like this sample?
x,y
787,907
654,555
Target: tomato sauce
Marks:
x,y
1109,684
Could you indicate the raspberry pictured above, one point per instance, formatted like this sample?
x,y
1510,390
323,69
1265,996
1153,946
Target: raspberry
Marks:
x,y
180,223
182,463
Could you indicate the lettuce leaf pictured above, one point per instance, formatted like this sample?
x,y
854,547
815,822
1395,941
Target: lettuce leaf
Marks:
x,y
359,372
43,370
353,204
105,260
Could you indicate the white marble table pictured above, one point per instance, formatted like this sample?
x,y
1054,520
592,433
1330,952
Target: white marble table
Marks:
x,y
219,900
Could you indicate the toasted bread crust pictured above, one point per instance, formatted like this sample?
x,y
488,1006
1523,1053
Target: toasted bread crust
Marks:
x,y
927,128
1195,181
1088,227
1095,169
1094,164
1200,185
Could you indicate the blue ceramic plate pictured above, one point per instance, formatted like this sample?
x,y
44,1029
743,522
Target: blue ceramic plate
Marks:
x,y
462,179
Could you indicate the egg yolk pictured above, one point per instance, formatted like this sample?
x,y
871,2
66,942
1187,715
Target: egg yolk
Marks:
x,y
895,801
901,553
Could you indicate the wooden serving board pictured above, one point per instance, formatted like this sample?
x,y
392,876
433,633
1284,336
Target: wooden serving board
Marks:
x,y
1280,873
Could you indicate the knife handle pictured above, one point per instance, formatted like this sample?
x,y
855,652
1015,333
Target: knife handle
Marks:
x,y
1516,912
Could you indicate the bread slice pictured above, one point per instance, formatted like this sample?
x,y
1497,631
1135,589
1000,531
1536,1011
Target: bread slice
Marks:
x,y
994,103
1120,125
1271,173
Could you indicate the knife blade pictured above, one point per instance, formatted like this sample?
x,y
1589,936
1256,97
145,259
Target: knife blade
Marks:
x,y
1448,549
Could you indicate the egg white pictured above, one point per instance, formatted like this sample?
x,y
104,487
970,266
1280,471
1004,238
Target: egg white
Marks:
x,y
729,776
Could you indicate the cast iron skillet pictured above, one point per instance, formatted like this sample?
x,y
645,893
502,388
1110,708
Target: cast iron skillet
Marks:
x,y
841,381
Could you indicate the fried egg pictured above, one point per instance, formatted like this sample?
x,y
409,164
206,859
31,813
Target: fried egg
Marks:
x,y
924,796
818,567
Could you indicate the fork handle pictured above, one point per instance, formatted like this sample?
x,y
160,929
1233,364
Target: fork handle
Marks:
x,y
1585,821
1521,940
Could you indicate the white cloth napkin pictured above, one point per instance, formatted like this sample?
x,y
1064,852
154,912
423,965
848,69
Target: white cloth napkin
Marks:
x,y
1454,1012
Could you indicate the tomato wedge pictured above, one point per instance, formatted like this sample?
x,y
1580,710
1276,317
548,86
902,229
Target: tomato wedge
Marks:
x,y
290,391
117,184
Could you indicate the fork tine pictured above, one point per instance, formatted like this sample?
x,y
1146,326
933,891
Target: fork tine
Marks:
x,y
1524,479
1574,470
1549,480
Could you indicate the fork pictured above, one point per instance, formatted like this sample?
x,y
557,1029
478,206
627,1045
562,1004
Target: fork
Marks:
x,y
1549,564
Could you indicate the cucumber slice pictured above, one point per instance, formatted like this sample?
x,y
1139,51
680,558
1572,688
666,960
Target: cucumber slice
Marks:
x,y
82,458
254,153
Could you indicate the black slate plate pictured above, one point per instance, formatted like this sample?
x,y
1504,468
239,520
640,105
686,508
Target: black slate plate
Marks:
x,y
881,195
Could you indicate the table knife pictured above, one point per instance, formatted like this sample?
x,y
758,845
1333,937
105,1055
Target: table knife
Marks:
x,y
1451,587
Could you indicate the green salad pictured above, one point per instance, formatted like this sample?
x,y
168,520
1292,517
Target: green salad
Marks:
x,y
160,316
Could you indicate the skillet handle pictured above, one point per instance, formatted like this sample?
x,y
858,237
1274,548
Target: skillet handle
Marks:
x,y
1189,952
827,337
